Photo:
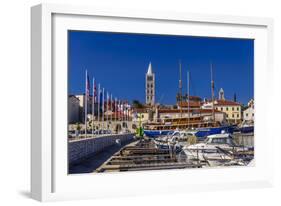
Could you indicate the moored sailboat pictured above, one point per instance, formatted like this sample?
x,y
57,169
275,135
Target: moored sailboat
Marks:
x,y
204,127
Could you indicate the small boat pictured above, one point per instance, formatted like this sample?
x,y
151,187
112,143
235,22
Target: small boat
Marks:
x,y
247,127
202,133
216,150
174,140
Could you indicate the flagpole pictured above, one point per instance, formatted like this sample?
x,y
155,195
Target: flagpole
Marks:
x,y
86,102
103,108
99,106
119,109
115,109
93,107
125,111
111,108
107,101
122,111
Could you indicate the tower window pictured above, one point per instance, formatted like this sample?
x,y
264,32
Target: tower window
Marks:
x,y
149,78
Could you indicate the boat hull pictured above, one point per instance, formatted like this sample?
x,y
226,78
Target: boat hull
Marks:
x,y
249,129
156,133
202,133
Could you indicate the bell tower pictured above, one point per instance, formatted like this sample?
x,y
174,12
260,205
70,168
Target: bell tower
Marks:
x,y
221,94
150,86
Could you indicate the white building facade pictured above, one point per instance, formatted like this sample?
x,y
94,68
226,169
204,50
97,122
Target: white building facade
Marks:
x,y
249,113
82,101
73,109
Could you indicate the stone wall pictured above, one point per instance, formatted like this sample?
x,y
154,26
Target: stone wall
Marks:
x,y
80,149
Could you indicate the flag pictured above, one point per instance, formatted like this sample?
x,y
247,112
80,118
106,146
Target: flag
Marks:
x,y
107,105
103,104
95,91
115,108
87,93
101,98
107,100
94,100
111,107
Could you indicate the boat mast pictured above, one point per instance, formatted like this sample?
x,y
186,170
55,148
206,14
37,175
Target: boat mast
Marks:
x,y
213,88
188,93
180,88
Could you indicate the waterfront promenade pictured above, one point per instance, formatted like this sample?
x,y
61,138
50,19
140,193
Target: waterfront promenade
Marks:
x,y
80,150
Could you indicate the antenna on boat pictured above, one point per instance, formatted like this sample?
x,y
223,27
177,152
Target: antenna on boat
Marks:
x,y
213,88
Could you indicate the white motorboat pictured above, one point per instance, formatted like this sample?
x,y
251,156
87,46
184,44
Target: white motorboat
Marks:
x,y
175,140
216,150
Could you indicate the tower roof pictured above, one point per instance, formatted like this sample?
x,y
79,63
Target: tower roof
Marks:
x,y
149,71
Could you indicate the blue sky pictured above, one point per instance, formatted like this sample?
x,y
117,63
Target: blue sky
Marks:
x,y
119,61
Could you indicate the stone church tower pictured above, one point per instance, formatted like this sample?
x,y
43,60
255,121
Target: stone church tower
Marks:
x,y
150,86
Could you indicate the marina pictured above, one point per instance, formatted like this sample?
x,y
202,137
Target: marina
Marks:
x,y
140,154
140,130
119,139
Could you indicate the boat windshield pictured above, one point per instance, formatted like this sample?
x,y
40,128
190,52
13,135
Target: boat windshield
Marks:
x,y
170,133
176,134
220,140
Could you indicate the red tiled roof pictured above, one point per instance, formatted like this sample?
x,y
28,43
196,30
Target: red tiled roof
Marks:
x,y
226,103
142,110
185,110
209,111
191,104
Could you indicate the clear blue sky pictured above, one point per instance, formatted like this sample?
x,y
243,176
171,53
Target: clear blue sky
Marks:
x,y
119,62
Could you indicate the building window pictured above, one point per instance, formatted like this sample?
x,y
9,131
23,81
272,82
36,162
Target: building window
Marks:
x,y
227,116
237,108
247,114
252,114
237,115
232,108
221,108
232,115
226,108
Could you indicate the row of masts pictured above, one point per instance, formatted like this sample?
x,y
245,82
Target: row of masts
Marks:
x,y
188,91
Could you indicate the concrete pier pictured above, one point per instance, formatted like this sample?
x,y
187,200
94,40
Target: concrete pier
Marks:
x,y
84,148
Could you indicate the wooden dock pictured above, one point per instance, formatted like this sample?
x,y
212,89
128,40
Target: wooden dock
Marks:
x,y
144,155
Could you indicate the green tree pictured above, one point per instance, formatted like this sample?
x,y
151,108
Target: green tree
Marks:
x,y
78,126
137,104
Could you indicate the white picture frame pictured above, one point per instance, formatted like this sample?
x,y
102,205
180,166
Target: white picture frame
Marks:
x,y
49,178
